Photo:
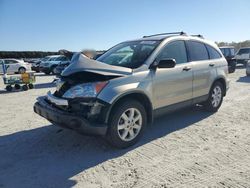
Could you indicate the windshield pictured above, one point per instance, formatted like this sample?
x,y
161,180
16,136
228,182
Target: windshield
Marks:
x,y
129,54
244,51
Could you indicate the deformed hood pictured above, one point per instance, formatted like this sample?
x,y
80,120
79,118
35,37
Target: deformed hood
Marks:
x,y
81,63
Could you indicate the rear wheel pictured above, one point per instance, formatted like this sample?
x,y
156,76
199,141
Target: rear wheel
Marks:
x,y
126,124
31,86
215,97
9,88
53,70
21,70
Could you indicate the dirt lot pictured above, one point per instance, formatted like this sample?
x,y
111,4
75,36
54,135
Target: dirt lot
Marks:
x,y
190,148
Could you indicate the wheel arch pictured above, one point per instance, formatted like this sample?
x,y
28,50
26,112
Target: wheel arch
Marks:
x,y
21,67
138,96
223,82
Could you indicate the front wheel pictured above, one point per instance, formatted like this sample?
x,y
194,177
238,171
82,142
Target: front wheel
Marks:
x,y
126,124
215,98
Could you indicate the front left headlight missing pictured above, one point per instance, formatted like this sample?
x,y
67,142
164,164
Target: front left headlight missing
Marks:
x,y
85,90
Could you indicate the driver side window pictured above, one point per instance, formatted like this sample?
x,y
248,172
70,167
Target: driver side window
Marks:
x,y
175,50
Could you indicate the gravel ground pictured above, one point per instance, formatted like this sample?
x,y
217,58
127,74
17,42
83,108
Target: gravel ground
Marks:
x,y
189,148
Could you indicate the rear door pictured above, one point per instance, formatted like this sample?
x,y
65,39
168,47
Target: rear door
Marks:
x,y
204,69
173,85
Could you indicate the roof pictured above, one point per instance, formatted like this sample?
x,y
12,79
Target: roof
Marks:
x,y
227,47
163,36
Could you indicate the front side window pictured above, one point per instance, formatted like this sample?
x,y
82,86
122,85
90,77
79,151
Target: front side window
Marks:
x,y
175,50
197,51
213,54
129,54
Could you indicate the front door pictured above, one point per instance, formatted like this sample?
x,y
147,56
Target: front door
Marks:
x,y
173,85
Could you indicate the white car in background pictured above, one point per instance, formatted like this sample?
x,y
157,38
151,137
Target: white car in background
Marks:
x,y
15,66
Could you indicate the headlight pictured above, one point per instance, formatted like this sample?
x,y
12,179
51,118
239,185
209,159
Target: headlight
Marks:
x,y
85,90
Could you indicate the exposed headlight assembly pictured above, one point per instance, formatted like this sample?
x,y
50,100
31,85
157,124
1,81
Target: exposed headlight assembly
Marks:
x,y
85,90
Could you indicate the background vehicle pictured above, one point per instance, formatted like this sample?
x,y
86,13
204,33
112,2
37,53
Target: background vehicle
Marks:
x,y
229,53
243,55
60,67
248,68
118,94
15,66
48,66
35,65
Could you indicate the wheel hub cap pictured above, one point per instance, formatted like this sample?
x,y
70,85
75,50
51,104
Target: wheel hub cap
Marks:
x,y
216,96
129,124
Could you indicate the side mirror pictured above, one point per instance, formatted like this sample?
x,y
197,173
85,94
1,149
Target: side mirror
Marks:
x,y
166,63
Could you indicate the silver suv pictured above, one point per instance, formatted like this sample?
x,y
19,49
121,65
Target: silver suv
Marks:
x,y
122,91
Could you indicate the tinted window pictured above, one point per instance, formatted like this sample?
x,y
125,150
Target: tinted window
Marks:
x,y
213,54
232,51
175,50
244,51
197,51
223,51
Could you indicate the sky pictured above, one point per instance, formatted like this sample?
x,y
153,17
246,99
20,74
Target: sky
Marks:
x,y
51,25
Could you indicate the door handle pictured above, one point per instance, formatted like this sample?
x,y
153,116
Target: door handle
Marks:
x,y
187,68
211,64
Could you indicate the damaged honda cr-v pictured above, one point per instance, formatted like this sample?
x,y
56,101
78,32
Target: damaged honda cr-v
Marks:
x,y
121,92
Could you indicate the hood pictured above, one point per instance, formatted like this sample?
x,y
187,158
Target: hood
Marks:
x,y
81,63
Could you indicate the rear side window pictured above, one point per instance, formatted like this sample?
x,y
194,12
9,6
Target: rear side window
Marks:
x,y
175,50
213,54
197,51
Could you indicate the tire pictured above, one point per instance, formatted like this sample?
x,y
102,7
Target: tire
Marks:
x,y
9,88
47,72
25,87
53,70
231,70
17,86
31,86
21,70
215,98
122,137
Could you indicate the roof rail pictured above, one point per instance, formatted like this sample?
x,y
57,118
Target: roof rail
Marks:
x,y
200,36
173,33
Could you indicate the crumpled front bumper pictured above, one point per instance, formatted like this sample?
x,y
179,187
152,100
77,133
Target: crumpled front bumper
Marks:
x,y
67,119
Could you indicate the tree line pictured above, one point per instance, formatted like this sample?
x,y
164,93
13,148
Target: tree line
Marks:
x,y
40,54
25,54
236,45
